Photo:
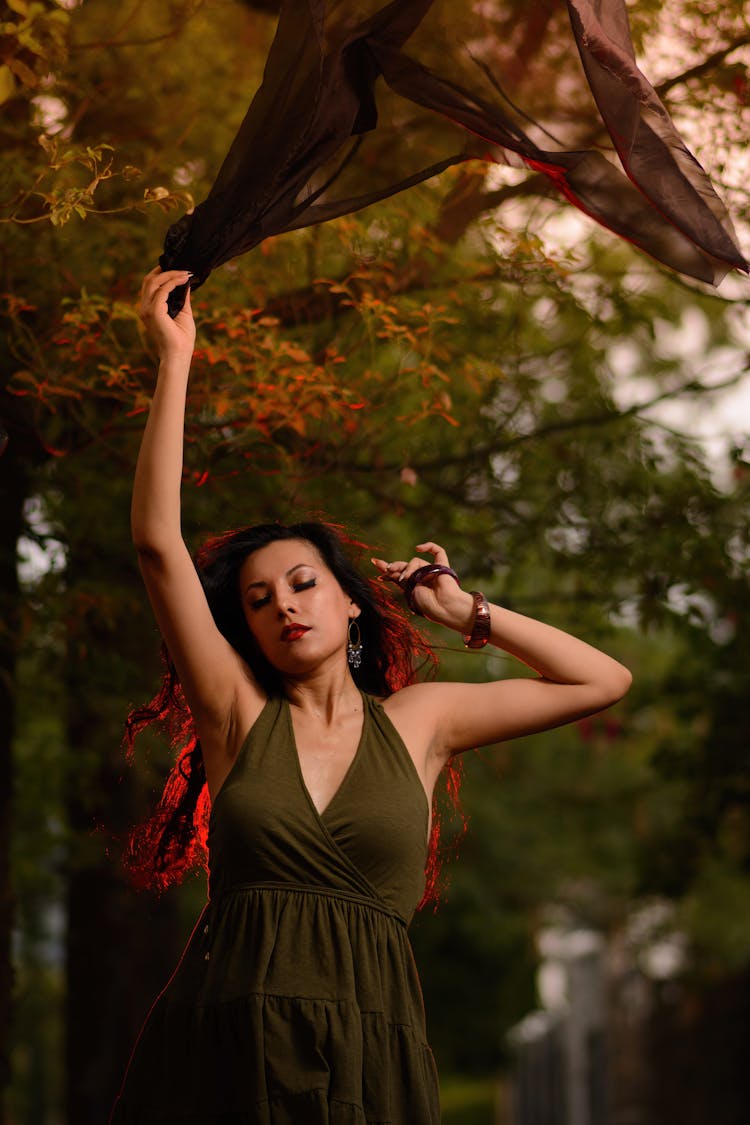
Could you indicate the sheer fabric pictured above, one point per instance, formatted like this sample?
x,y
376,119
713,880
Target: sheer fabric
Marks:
x,y
361,99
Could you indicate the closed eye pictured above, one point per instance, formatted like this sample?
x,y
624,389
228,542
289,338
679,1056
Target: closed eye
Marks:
x,y
296,586
304,585
260,602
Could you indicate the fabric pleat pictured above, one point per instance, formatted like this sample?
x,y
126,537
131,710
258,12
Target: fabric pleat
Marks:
x,y
297,999
307,1009
361,99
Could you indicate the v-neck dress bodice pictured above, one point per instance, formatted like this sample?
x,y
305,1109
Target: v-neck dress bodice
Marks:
x,y
297,1001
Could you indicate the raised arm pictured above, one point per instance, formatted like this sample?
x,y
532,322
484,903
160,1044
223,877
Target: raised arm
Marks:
x,y
155,509
211,672
574,678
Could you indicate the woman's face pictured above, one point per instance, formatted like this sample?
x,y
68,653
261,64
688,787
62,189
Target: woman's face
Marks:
x,y
294,606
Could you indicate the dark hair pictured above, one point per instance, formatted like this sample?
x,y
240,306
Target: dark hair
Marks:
x,y
173,838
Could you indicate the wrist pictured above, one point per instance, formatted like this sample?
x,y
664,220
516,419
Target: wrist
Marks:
x,y
175,363
458,612
479,633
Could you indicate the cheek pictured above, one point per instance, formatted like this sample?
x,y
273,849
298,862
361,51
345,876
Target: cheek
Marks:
x,y
333,609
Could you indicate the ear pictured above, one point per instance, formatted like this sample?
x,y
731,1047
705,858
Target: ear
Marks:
x,y
354,610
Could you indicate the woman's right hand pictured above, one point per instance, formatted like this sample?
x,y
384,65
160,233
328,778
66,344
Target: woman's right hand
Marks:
x,y
173,339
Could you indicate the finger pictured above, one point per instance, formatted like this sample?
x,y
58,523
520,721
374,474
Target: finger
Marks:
x,y
155,301
184,318
171,279
394,571
168,275
389,572
438,552
148,280
152,278
186,309
159,279
411,566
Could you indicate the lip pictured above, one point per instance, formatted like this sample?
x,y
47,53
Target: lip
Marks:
x,y
293,632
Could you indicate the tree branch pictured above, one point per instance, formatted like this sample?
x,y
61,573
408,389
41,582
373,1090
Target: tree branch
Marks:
x,y
603,418
466,201
701,68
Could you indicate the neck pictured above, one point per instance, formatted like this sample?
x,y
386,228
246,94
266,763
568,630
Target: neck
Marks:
x,y
325,693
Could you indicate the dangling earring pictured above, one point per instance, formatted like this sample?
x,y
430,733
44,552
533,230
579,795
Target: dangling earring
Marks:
x,y
354,647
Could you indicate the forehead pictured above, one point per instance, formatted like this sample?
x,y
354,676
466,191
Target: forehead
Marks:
x,y
276,558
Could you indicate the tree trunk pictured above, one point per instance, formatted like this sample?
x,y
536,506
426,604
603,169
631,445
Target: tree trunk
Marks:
x,y
20,455
121,945
13,488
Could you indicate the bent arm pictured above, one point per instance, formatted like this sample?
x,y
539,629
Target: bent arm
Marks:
x,y
573,679
558,657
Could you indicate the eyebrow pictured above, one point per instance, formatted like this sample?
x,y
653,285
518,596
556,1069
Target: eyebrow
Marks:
x,y
297,566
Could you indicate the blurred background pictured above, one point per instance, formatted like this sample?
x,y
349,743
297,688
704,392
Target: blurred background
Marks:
x,y
471,362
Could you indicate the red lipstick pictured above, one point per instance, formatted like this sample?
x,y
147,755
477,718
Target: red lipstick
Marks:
x,y
294,632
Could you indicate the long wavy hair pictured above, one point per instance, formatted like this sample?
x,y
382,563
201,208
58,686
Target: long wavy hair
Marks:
x,y
173,839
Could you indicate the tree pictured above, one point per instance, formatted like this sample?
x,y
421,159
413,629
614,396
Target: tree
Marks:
x,y
421,357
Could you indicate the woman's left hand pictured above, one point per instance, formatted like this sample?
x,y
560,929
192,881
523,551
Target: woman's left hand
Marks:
x,y
440,599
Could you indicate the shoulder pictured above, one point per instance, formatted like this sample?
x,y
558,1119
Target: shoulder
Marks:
x,y
415,697
415,711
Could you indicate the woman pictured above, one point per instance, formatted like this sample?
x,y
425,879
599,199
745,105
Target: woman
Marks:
x,y
296,999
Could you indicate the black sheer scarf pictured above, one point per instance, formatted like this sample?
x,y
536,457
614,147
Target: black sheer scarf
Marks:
x,y
361,99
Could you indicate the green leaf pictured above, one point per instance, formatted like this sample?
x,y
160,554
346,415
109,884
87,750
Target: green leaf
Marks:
x,y
7,84
24,72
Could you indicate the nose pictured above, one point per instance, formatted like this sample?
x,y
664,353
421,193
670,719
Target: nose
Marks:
x,y
284,603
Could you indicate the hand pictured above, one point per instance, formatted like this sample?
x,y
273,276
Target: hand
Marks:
x,y
440,599
173,338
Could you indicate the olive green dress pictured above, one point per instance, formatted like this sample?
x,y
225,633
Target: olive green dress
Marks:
x,y
297,1001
